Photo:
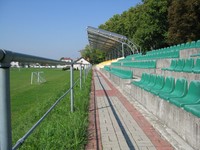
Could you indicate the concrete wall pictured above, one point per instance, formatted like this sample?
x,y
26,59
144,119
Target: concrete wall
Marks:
x,y
188,52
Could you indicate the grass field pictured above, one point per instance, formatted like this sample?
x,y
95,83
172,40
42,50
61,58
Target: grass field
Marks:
x,y
61,129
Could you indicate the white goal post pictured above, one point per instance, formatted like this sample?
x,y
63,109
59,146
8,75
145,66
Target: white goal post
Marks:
x,y
37,77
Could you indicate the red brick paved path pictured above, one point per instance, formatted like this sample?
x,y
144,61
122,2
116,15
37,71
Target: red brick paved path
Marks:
x,y
94,142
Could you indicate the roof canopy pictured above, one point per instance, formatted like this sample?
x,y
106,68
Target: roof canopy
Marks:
x,y
108,41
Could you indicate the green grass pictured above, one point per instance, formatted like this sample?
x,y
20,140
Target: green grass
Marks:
x,y
61,129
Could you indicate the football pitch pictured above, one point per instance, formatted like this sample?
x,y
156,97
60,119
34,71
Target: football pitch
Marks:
x,y
61,129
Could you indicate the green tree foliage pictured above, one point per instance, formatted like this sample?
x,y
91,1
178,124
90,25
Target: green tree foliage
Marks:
x,y
146,24
184,21
94,56
114,24
152,24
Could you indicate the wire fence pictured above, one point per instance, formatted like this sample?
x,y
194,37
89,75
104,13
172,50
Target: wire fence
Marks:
x,y
5,113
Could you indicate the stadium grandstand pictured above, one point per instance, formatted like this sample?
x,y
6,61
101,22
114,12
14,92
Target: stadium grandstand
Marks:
x,y
166,81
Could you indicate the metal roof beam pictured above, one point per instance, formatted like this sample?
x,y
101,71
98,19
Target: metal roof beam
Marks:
x,y
102,39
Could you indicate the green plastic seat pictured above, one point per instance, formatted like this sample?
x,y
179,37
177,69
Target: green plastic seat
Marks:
x,y
173,54
192,96
146,82
143,78
178,47
180,65
194,109
172,65
182,47
193,44
187,45
151,83
196,68
168,86
180,90
152,64
197,44
189,64
128,64
107,68
159,85
128,58
144,64
116,63
124,74
167,54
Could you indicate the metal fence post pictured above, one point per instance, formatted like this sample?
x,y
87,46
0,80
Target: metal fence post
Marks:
x,y
71,86
5,114
80,76
84,73
87,69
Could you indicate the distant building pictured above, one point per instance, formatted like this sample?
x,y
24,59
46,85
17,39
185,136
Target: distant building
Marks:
x,y
14,64
66,59
82,63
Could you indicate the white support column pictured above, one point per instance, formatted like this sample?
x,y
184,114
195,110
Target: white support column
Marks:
x,y
122,49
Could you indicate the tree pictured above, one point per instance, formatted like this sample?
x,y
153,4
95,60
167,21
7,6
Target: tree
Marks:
x,y
94,56
184,21
152,24
146,24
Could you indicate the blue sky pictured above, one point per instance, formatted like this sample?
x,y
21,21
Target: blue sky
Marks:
x,y
53,28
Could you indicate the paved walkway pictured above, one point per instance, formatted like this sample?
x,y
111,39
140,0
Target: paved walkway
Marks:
x,y
115,124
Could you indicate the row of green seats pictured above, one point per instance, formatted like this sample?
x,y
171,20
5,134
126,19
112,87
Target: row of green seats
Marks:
x,y
107,68
195,55
178,47
116,63
189,45
183,46
165,54
162,50
129,57
168,52
124,74
184,65
159,55
140,64
175,93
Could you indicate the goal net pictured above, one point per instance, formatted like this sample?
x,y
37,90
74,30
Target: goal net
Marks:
x,y
37,77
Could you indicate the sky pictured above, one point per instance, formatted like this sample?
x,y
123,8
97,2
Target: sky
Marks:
x,y
54,28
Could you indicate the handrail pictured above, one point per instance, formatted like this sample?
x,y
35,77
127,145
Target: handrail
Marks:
x,y
8,56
